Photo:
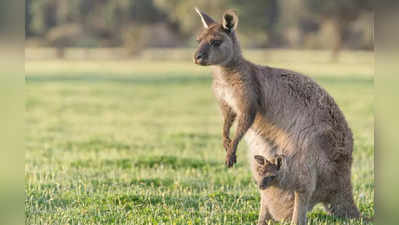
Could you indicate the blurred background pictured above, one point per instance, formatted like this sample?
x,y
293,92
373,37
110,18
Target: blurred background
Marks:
x,y
65,28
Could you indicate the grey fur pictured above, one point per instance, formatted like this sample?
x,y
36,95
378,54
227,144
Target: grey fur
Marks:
x,y
281,112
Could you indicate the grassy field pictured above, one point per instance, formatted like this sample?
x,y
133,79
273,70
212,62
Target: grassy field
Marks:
x,y
139,142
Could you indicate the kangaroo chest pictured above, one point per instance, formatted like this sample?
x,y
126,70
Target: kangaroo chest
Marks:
x,y
227,94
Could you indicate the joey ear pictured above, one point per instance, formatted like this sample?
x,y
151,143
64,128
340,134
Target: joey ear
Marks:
x,y
230,20
260,159
206,20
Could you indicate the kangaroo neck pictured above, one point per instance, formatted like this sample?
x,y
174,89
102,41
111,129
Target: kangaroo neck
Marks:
x,y
237,68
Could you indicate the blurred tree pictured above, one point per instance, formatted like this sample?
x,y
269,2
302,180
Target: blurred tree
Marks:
x,y
136,24
43,16
63,36
182,12
257,18
338,14
28,18
105,21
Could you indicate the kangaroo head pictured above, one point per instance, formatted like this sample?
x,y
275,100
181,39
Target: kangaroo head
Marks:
x,y
218,44
267,170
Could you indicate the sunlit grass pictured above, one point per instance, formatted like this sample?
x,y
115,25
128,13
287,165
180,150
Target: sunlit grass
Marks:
x,y
135,142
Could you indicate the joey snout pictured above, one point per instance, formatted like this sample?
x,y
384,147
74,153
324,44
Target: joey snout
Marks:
x,y
266,182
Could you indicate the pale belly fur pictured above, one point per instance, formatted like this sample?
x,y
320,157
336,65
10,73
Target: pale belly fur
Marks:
x,y
257,145
226,93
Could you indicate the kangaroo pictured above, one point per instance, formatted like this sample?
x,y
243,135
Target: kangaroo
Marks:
x,y
276,183
277,202
280,112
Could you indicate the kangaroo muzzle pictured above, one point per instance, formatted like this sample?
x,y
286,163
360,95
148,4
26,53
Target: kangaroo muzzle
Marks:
x,y
201,58
265,182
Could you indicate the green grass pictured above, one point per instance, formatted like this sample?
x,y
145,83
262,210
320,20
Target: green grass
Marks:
x,y
140,143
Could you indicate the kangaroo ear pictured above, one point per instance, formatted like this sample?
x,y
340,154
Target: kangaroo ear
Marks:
x,y
206,20
230,20
260,159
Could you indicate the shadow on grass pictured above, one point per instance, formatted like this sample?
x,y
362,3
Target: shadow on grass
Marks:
x,y
152,182
173,162
52,199
172,79
149,79
146,162
90,163
96,144
320,216
130,201
348,80
223,197
144,182
184,201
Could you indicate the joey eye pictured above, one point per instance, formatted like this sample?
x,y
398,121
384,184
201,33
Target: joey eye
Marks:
x,y
215,43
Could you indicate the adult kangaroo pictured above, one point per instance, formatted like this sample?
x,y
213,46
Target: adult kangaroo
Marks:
x,y
280,112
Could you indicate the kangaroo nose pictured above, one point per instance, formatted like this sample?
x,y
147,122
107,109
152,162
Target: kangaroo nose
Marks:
x,y
200,56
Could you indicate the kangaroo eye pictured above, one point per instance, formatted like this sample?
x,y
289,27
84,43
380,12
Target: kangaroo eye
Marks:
x,y
216,43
